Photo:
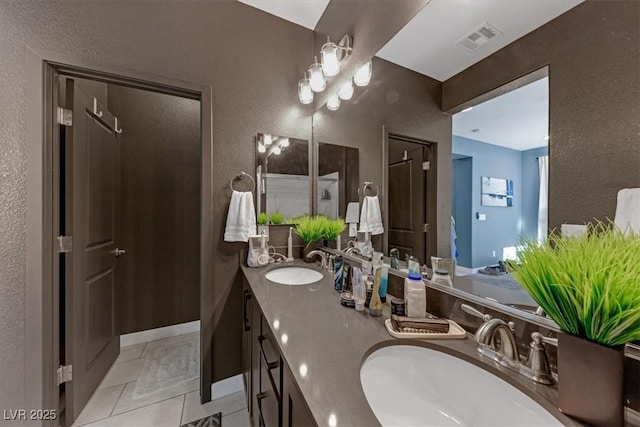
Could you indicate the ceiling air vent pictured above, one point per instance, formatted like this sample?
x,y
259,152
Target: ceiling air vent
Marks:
x,y
479,36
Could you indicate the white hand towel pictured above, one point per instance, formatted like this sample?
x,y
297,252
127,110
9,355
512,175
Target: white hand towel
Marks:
x,y
241,219
371,216
628,210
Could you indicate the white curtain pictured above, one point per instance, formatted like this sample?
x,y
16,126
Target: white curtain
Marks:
x,y
543,197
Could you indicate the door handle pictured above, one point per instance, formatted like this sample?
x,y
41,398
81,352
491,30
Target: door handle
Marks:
x,y
117,252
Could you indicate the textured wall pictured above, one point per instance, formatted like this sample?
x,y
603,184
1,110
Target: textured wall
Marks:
x,y
406,103
593,56
160,162
251,59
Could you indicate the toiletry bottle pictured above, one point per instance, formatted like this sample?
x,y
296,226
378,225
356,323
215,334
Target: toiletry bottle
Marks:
x,y
346,278
375,305
358,288
338,271
415,296
384,283
394,254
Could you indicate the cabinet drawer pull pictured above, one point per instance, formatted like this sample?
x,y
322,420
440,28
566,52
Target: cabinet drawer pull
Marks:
x,y
261,396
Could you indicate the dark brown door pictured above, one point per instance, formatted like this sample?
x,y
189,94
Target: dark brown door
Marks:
x,y
407,200
92,197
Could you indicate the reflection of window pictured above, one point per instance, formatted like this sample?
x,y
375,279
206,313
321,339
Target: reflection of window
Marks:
x,y
497,192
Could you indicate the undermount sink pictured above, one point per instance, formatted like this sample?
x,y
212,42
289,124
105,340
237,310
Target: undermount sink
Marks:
x,y
407,385
293,276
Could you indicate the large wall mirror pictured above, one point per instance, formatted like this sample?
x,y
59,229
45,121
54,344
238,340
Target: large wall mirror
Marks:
x,y
338,179
282,175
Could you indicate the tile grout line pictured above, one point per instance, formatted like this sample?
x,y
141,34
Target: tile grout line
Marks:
x,y
231,413
184,402
118,400
145,406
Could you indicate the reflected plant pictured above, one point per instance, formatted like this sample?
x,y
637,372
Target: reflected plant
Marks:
x,y
277,218
262,219
589,285
333,228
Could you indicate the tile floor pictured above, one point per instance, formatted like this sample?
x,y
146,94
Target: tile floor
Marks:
x,y
113,403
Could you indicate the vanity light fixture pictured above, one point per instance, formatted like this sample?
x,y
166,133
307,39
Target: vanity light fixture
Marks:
x,y
276,150
333,103
362,77
261,148
316,77
332,55
266,139
284,142
305,94
346,90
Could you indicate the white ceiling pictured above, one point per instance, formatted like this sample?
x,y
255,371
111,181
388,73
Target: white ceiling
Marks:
x,y
302,12
518,119
427,44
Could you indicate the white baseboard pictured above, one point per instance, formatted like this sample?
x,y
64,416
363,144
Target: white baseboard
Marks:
x,y
226,387
465,271
159,333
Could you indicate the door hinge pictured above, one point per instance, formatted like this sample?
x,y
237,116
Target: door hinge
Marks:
x,y
426,166
64,244
64,117
64,374
425,228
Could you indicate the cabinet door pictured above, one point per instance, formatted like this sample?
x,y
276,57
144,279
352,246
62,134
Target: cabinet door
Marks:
x,y
247,316
256,331
295,412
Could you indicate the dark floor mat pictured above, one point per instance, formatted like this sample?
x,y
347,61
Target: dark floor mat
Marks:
x,y
214,420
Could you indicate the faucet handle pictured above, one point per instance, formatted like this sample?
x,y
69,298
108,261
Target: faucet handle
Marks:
x,y
474,312
538,361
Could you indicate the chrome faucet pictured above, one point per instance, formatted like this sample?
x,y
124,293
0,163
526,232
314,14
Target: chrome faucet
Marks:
x,y
323,257
507,346
505,350
352,250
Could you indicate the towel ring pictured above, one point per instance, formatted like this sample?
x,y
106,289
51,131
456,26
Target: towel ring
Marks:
x,y
369,184
241,176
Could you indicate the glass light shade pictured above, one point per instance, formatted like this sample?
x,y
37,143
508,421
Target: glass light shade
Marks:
x,y
329,59
261,148
362,77
346,91
276,150
333,103
284,142
266,139
305,94
316,78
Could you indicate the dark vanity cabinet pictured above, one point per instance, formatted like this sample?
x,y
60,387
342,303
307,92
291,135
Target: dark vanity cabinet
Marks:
x,y
273,399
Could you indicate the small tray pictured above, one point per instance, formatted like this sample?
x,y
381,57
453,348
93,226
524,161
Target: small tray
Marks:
x,y
456,332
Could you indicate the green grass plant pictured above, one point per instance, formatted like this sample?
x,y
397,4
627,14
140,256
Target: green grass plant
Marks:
x,y
277,218
309,229
589,285
262,219
333,228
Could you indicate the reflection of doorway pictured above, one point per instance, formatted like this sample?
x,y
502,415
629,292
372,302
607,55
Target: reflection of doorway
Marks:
x,y
461,206
411,197
506,136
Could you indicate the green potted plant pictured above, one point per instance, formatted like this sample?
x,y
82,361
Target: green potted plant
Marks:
x,y
263,223
310,230
590,286
277,218
333,228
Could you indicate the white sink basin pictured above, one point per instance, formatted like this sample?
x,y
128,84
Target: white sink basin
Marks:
x,y
293,276
409,385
